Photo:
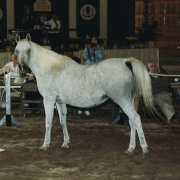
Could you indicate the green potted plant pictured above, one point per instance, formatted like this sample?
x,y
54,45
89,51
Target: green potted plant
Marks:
x,y
148,33
101,40
86,40
132,40
8,43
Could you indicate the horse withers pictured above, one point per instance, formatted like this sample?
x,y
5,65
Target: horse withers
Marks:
x,y
62,81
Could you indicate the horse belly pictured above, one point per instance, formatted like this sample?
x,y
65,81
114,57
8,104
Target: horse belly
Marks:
x,y
84,99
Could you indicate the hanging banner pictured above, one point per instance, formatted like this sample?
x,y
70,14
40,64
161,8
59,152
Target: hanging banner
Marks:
x,y
88,18
3,20
42,5
88,12
1,14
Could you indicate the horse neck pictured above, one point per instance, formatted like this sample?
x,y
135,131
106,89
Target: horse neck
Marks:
x,y
34,65
35,69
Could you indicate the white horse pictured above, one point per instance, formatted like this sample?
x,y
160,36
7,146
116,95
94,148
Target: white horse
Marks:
x,y
62,81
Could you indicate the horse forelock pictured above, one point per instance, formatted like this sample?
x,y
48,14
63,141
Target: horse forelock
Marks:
x,y
23,45
48,60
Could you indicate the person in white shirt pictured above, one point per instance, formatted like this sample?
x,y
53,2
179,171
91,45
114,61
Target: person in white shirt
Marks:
x,y
11,66
54,22
14,72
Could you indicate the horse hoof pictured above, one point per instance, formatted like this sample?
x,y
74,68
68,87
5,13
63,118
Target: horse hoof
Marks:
x,y
43,148
146,154
65,146
128,152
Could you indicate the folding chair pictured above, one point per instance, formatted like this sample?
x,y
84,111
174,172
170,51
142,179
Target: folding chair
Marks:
x,y
30,95
15,91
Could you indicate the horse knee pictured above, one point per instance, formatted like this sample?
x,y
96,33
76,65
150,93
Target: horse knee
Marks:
x,y
62,122
64,113
48,125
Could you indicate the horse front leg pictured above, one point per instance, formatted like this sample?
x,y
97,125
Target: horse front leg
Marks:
x,y
49,112
132,144
62,110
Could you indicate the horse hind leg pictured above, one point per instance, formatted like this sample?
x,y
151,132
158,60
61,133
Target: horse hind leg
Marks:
x,y
132,144
141,136
62,110
135,123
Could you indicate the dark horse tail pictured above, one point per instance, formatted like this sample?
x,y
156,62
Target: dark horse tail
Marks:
x,y
143,84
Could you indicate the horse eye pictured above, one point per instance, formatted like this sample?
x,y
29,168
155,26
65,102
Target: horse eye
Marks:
x,y
29,50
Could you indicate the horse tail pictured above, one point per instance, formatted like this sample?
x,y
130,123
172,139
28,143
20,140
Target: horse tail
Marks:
x,y
143,84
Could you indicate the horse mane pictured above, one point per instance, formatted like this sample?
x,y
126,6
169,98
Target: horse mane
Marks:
x,y
48,60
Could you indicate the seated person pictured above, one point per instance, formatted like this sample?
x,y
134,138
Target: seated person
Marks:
x,y
28,22
12,66
161,92
14,72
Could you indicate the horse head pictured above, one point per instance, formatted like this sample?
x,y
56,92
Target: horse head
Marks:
x,y
23,52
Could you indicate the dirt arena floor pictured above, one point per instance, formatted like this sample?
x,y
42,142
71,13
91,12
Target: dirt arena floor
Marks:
x,y
96,150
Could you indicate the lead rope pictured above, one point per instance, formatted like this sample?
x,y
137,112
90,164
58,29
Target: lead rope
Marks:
x,y
166,75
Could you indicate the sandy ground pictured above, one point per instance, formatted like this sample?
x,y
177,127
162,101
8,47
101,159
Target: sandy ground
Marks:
x,y
96,150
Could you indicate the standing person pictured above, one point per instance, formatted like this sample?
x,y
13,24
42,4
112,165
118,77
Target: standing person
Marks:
x,y
54,22
55,37
28,22
161,92
93,53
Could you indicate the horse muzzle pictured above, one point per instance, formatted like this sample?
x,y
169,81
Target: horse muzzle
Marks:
x,y
22,67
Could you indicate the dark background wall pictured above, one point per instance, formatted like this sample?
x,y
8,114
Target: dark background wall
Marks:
x,y
59,7
3,21
121,20
87,27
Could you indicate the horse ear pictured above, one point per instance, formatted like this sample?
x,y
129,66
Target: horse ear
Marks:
x,y
17,38
28,37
